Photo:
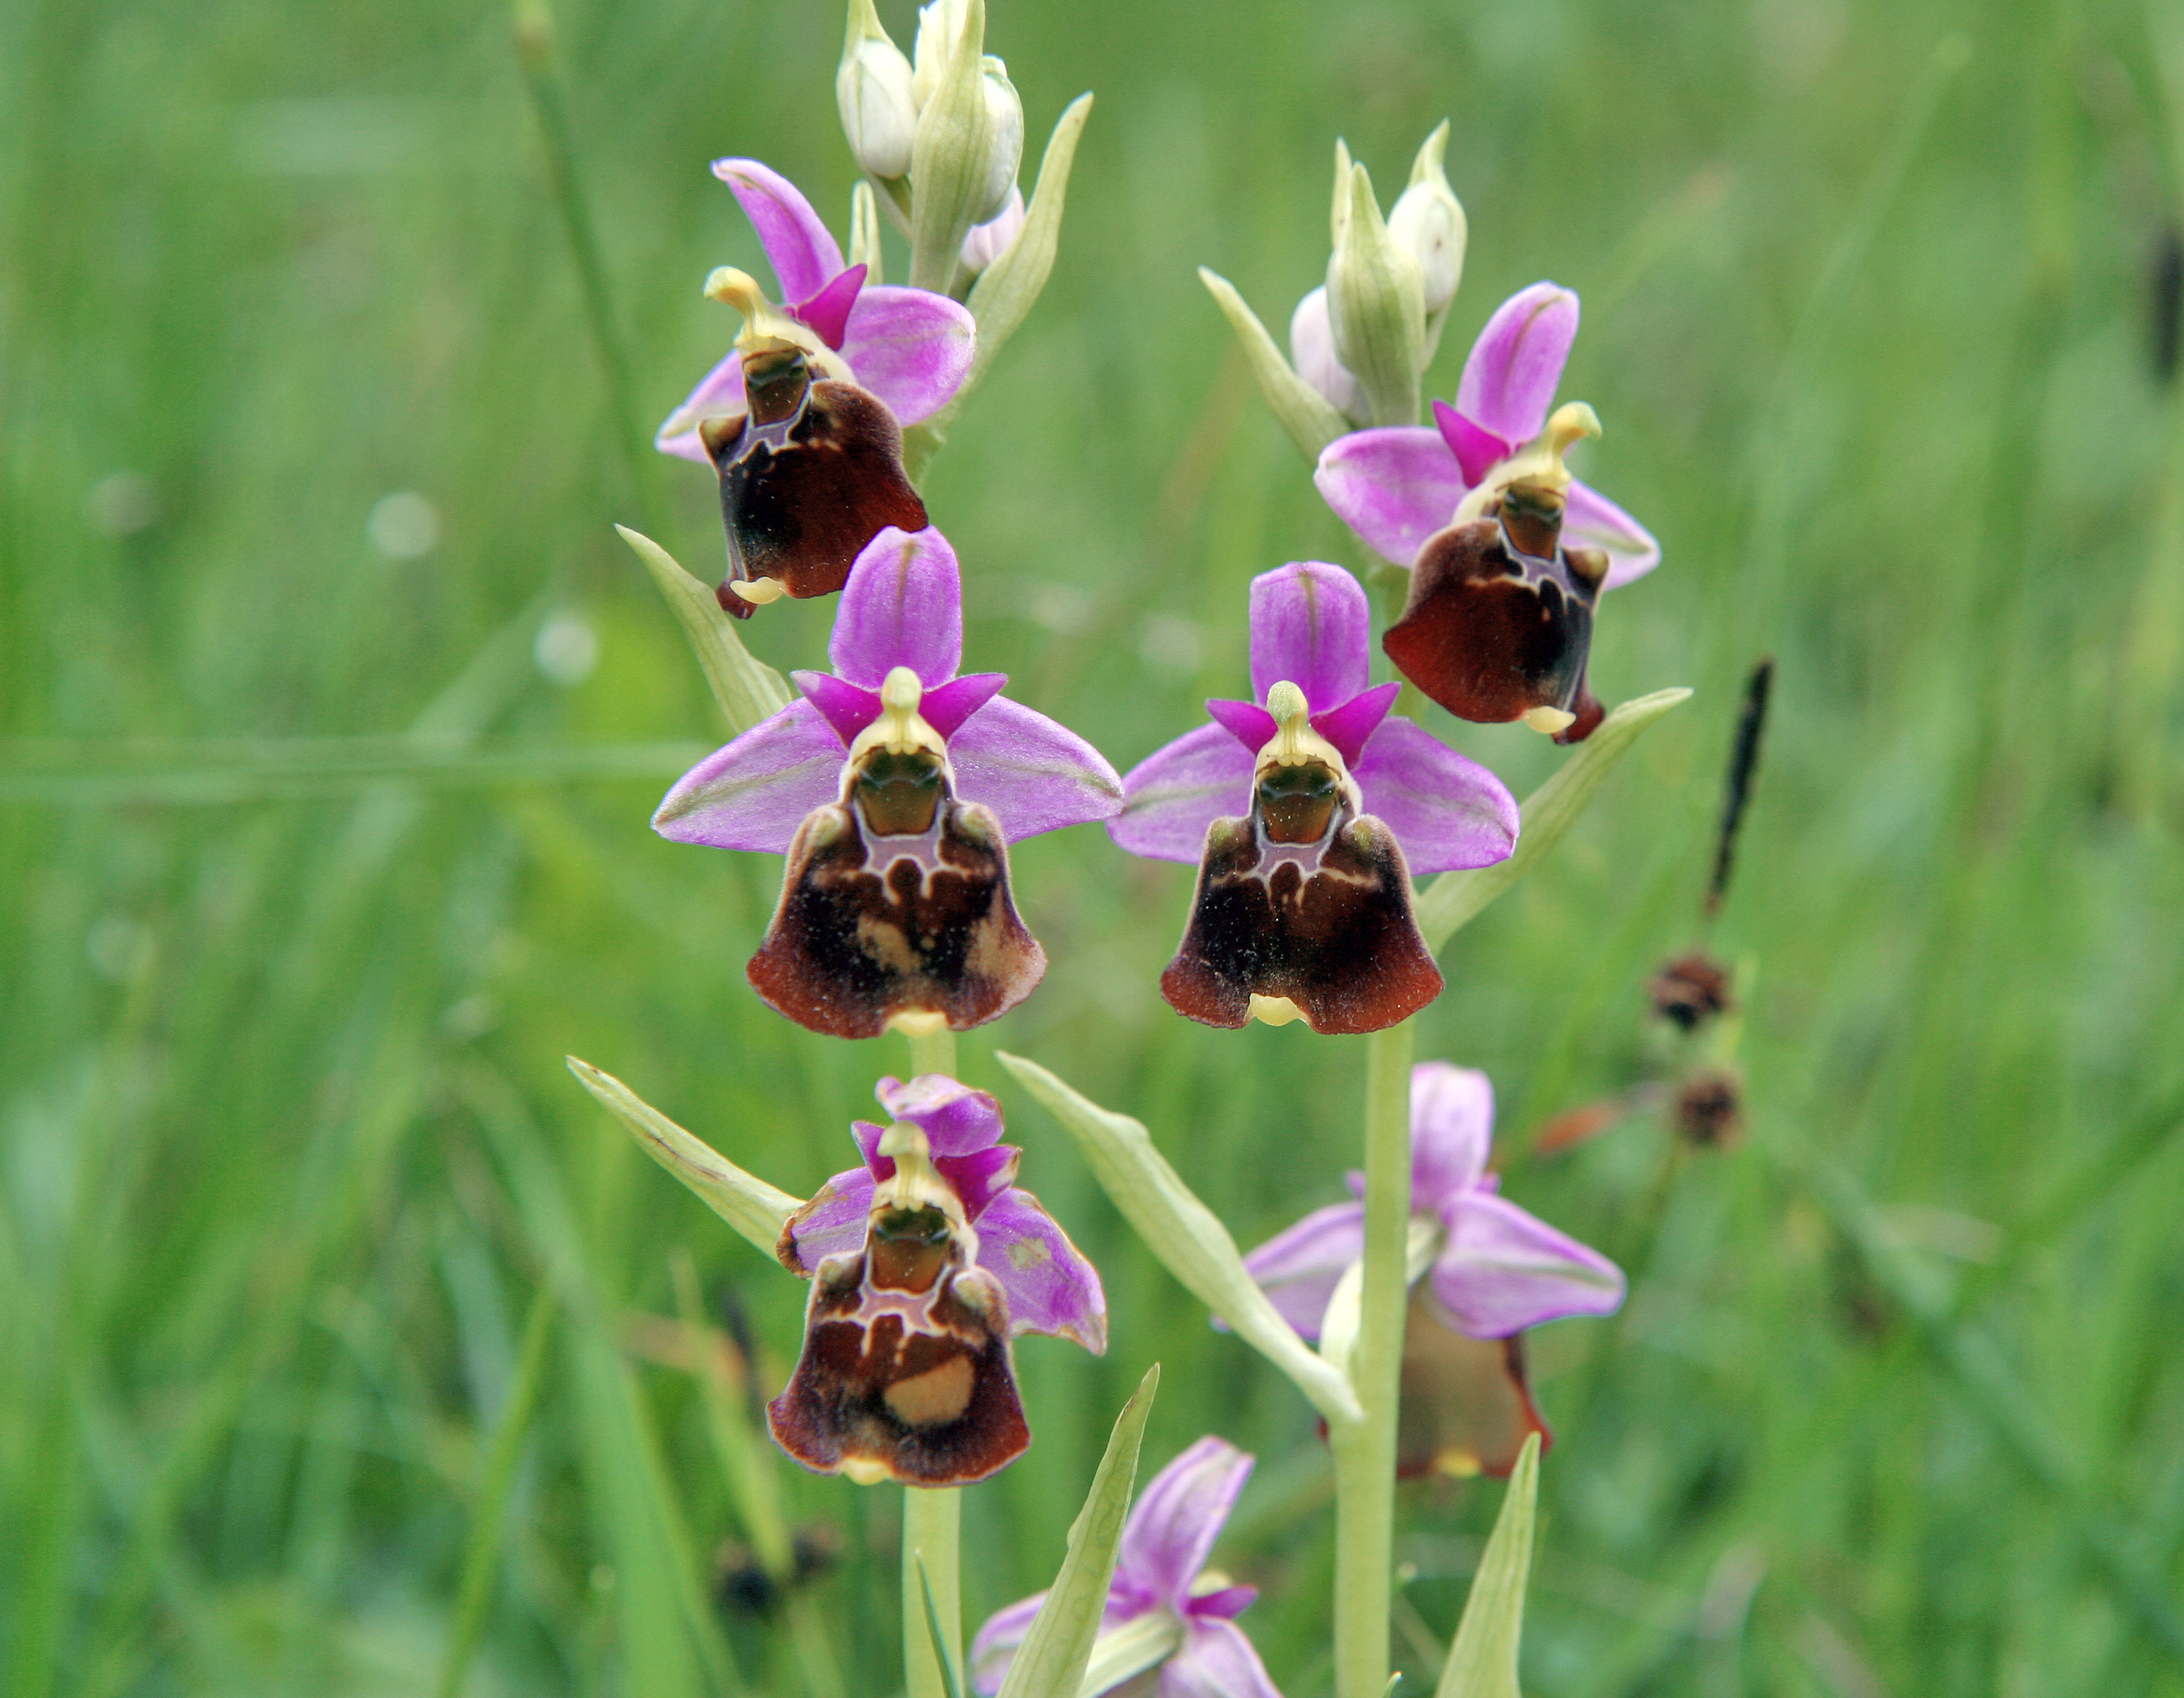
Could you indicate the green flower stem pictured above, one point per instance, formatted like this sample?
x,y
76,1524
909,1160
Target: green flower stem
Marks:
x,y
931,1526
933,1052
1365,1451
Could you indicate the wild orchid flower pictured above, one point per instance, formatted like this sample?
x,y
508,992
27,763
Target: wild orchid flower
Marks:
x,y
924,1263
1482,1269
802,421
1307,809
894,787
1165,1610
1509,554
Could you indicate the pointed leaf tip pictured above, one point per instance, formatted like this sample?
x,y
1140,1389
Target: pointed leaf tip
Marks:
x,y
1482,1663
747,689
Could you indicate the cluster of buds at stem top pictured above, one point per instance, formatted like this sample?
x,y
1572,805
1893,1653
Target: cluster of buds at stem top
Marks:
x,y
894,787
940,136
925,1261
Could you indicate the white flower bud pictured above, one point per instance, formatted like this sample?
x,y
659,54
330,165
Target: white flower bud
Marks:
x,y
1429,221
1005,140
872,90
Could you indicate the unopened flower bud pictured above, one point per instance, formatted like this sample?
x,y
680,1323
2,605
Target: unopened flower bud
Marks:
x,y
1376,307
1429,221
1004,139
939,25
872,90
988,241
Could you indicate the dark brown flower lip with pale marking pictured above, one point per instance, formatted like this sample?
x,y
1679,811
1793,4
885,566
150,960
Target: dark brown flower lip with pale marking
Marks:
x,y
810,473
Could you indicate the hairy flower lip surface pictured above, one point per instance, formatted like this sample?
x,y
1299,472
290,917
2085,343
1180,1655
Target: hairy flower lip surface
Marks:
x,y
1397,485
1160,1571
902,607
911,348
1311,625
1051,1287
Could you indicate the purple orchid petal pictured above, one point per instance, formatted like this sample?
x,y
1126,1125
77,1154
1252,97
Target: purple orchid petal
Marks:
x,y
1171,795
995,1646
848,707
902,607
827,313
1394,487
1216,1661
1177,1516
756,791
1052,1288
910,348
1509,380
720,391
955,1118
1594,520
1351,726
1451,1131
868,1134
805,258
980,1176
1447,812
835,1220
1225,1603
1248,723
1035,774
946,708
1299,1268
1477,449
1312,351
983,244
1503,1270
1311,624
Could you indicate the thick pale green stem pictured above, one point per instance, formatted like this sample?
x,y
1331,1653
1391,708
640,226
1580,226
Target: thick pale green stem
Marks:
x,y
933,1052
931,1528
1365,1452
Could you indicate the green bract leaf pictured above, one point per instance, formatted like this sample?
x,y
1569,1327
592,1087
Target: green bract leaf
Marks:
x,y
948,158
1053,1656
951,1676
1186,1235
750,1205
747,688
1453,899
1309,417
1482,1663
1376,308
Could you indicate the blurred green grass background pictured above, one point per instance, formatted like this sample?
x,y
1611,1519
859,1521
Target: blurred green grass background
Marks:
x,y
315,856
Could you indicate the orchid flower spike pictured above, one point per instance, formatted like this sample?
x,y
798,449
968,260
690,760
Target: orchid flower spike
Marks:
x,y
894,787
1308,809
1482,1271
924,1263
1510,555
1167,1610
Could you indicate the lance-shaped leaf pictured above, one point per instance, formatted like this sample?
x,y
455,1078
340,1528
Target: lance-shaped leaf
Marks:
x,y
747,688
1059,1646
747,1203
1454,899
1186,1235
1307,415
1002,298
1482,1663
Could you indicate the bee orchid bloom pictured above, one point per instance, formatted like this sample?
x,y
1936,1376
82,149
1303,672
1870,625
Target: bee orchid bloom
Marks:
x,y
894,787
1483,1269
1165,1610
1509,554
803,420
924,1263
1308,809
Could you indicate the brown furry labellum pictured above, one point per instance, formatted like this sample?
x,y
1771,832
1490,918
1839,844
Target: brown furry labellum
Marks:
x,y
810,474
1466,1405
906,1373
896,902
1308,902
1498,622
